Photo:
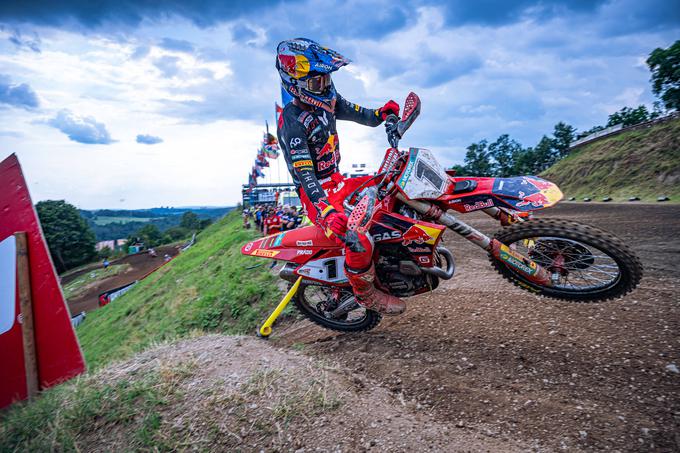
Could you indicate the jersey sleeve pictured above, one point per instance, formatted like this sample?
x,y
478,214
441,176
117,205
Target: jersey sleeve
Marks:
x,y
345,110
293,139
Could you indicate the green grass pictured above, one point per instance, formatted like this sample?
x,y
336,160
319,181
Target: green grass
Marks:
x,y
81,284
103,220
207,288
643,163
90,410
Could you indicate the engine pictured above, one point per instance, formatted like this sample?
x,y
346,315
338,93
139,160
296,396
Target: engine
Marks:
x,y
396,270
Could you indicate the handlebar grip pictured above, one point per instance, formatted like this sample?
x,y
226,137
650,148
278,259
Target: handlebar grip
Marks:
x,y
391,119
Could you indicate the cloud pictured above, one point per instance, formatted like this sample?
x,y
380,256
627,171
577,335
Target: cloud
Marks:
x,y
243,33
21,95
179,45
203,13
140,52
23,42
148,139
168,65
81,129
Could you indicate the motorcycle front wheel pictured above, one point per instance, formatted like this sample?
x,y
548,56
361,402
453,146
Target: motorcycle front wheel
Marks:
x,y
586,264
317,303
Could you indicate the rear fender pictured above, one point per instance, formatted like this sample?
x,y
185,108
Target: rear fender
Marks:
x,y
297,246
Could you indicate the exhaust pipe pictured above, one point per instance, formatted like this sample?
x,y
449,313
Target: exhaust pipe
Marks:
x,y
286,273
438,271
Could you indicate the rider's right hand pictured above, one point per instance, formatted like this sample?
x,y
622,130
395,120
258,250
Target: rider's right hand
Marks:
x,y
336,222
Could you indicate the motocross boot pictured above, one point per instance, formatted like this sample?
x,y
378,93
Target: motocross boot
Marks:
x,y
371,298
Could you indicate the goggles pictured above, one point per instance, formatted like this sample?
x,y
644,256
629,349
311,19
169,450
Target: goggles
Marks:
x,y
319,84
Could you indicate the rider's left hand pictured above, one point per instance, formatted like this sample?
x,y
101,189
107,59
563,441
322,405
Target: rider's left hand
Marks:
x,y
389,107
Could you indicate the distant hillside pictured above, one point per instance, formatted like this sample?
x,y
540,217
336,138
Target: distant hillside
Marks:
x,y
640,162
208,288
109,224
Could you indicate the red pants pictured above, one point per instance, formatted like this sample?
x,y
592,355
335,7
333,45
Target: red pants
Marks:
x,y
337,190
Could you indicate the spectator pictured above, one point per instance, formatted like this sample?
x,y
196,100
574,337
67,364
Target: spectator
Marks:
x,y
296,218
246,218
272,223
258,217
285,219
305,218
106,263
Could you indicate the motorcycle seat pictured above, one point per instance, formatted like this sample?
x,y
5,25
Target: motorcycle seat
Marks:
x,y
467,185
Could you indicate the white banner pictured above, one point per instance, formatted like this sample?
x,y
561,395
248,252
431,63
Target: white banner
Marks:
x,y
8,278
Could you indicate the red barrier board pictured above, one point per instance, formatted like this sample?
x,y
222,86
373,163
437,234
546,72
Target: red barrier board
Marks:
x,y
58,353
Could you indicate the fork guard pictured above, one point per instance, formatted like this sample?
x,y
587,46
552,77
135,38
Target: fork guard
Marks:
x,y
528,268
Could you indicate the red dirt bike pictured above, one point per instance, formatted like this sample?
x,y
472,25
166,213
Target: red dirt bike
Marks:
x,y
405,208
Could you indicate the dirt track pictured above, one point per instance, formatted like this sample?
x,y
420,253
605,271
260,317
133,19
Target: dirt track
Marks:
x,y
140,265
481,354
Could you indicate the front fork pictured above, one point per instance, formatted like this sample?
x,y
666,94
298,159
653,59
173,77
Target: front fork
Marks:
x,y
523,265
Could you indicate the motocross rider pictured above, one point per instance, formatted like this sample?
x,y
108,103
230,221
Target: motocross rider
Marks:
x,y
309,138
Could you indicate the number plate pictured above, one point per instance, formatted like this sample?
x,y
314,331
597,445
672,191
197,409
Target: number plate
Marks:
x,y
423,177
330,270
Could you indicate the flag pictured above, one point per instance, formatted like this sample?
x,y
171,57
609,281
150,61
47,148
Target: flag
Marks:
x,y
271,151
269,139
257,172
285,96
278,110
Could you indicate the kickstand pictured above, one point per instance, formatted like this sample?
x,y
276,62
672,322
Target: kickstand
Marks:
x,y
266,329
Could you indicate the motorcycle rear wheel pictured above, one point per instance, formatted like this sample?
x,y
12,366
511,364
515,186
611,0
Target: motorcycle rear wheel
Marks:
x,y
603,264
309,301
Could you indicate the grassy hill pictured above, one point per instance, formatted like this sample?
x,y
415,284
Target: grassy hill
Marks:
x,y
643,162
208,288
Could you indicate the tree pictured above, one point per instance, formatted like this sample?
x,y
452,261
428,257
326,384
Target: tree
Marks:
x,y
629,116
545,154
69,238
459,169
592,130
477,161
190,221
105,252
505,152
150,235
177,233
665,67
563,135
525,162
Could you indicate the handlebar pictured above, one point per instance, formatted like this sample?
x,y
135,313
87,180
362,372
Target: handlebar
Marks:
x,y
392,130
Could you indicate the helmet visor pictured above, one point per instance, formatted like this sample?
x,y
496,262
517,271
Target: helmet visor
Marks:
x,y
319,84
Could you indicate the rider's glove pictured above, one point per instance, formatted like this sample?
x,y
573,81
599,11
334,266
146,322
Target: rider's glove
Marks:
x,y
388,108
336,222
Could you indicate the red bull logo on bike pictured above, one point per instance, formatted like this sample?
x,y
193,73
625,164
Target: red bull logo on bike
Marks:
x,y
548,194
420,234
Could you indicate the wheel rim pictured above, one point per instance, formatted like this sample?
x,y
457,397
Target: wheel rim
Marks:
x,y
574,266
319,299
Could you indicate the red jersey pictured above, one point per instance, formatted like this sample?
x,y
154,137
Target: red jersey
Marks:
x,y
273,224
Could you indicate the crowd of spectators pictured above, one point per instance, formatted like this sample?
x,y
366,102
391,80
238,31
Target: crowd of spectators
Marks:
x,y
275,219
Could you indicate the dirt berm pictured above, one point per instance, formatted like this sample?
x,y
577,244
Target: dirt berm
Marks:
x,y
241,394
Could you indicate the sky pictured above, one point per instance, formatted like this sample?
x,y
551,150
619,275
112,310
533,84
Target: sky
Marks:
x,y
133,104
